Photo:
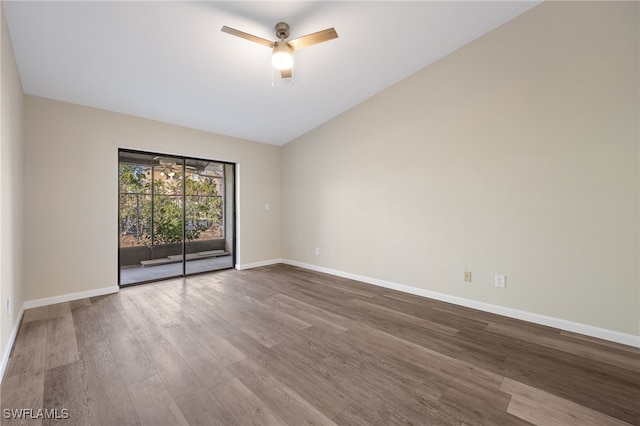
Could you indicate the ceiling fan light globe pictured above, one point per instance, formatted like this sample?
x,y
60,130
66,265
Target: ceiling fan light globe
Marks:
x,y
282,57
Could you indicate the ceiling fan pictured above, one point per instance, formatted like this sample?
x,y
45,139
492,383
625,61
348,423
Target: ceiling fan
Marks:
x,y
282,53
168,167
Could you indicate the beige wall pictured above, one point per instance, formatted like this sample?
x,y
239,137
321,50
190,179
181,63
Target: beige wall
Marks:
x,y
71,191
11,190
517,154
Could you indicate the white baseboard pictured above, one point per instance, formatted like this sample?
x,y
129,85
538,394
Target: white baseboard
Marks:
x,y
69,297
12,338
258,264
587,330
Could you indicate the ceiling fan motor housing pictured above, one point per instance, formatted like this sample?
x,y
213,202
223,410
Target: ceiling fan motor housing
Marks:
x,y
282,30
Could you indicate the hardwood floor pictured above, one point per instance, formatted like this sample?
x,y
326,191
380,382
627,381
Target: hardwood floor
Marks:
x,y
280,345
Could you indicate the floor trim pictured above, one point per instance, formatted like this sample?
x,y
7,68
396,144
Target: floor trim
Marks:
x,y
10,342
69,297
258,264
588,330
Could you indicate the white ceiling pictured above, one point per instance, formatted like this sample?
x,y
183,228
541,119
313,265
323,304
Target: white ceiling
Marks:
x,y
169,61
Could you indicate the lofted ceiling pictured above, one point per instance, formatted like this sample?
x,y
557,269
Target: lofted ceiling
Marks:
x,y
169,61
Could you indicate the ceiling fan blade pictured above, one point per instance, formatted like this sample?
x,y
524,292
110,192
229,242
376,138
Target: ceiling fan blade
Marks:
x,y
314,38
246,36
285,73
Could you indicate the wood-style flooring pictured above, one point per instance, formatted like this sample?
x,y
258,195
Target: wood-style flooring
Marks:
x,y
280,345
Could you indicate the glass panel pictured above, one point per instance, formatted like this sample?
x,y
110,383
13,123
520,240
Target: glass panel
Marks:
x,y
206,246
150,217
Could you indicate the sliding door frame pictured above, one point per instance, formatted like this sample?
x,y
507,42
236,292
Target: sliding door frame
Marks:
x,y
231,197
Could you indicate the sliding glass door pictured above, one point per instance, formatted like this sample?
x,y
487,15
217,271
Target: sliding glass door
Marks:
x,y
176,216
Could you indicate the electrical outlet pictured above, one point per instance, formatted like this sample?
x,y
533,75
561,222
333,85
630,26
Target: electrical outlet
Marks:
x,y
467,276
317,251
9,307
501,281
